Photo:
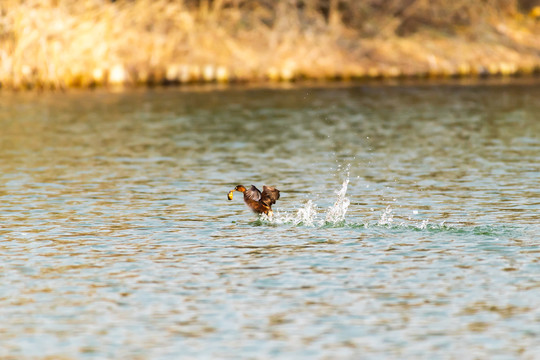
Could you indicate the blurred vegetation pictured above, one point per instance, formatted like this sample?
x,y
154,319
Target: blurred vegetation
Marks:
x,y
62,43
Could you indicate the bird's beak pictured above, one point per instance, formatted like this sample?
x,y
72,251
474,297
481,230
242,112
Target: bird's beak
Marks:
x,y
230,194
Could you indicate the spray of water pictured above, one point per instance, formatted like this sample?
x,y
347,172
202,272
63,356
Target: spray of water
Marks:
x,y
306,214
387,218
336,213
310,215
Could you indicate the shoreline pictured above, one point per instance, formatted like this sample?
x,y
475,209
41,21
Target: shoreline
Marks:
x,y
489,81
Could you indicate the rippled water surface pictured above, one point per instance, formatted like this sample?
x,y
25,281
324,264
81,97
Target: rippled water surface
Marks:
x,y
408,224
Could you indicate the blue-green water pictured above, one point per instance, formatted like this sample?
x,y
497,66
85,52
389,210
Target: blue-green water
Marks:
x,y
408,224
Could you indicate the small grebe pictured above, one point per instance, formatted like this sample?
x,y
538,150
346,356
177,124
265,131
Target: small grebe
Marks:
x,y
259,202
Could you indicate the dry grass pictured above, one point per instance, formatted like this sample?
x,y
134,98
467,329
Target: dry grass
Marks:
x,y
61,43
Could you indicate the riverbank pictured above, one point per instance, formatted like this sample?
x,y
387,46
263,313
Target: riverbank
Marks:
x,y
57,45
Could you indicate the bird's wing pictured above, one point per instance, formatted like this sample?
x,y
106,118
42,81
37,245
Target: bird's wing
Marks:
x,y
253,193
269,195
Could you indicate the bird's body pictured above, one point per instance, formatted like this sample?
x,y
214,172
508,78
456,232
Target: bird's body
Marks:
x,y
259,202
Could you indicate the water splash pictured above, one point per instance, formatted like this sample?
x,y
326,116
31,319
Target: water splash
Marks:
x,y
336,213
307,214
387,218
310,214
424,224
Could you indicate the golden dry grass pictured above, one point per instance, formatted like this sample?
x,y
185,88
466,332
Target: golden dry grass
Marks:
x,y
62,44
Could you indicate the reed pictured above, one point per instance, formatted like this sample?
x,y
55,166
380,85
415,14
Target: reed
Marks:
x,y
63,44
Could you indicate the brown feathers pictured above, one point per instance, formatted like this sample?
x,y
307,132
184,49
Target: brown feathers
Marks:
x,y
259,202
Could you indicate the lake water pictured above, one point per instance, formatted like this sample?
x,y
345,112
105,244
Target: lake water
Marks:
x,y
408,224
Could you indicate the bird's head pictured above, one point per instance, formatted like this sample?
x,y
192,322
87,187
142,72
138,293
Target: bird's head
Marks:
x,y
240,188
